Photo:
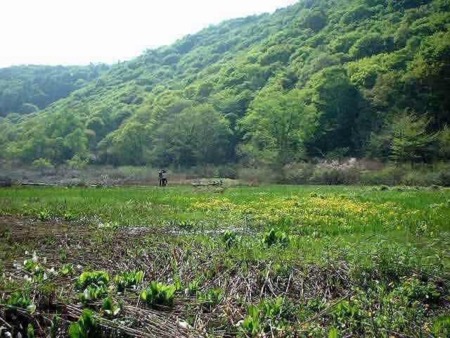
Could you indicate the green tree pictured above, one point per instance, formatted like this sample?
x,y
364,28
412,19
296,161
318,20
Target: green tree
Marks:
x,y
338,103
127,145
410,140
198,135
277,126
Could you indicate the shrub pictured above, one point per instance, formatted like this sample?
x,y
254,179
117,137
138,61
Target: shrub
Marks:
x,y
298,173
335,176
388,176
42,164
255,176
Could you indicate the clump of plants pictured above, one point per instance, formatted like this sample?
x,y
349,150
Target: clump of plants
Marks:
x,y
87,278
21,299
158,294
93,284
128,280
274,237
34,267
230,238
192,288
44,215
110,307
262,318
66,269
211,298
85,327
30,331
92,293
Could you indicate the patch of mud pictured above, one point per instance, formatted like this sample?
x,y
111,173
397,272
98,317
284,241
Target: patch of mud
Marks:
x,y
20,229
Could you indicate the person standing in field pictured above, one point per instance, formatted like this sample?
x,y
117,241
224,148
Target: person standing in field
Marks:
x,y
162,178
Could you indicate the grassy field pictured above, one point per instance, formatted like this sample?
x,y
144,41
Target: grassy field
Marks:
x,y
281,261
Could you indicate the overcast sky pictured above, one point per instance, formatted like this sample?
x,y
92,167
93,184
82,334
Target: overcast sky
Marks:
x,y
84,31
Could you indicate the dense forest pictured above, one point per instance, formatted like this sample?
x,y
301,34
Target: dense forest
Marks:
x,y
28,89
319,79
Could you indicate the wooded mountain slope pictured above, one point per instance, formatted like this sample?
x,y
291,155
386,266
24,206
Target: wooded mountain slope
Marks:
x,y
27,89
319,78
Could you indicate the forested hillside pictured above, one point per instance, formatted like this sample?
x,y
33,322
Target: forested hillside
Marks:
x,y
322,78
28,89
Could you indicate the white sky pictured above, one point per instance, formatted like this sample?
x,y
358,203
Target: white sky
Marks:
x,y
84,31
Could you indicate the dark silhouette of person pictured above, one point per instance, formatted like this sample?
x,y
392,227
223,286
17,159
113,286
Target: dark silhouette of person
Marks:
x,y
162,178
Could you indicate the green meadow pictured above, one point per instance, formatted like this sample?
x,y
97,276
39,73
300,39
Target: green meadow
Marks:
x,y
282,261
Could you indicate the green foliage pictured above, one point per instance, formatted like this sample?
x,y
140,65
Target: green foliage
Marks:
x,y
26,89
85,327
370,258
110,308
314,20
274,237
30,331
93,292
441,327
128,280
230,238
370,44
263,318
195,136
87,278
252,323
158,294
35,268
193,287
333,333
277,126
413,290
21,299
337,100
54,326
306,81
42,164
67,269
212,297
444,142
410,141
94,285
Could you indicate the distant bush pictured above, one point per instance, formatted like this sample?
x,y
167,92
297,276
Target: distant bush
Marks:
x,y
335,176
386,176
257,176
42,164
298,173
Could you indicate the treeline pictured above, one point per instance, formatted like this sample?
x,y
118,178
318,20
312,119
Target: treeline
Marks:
x,y
328,79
